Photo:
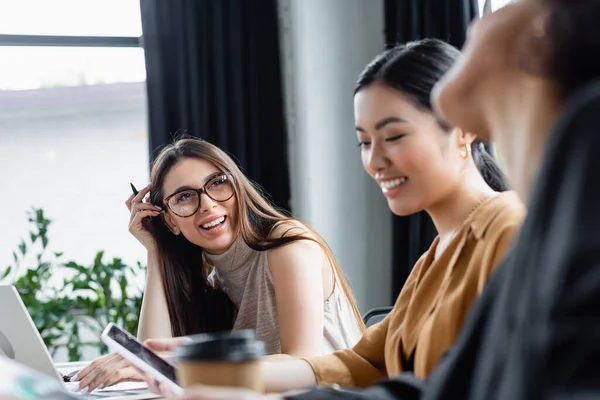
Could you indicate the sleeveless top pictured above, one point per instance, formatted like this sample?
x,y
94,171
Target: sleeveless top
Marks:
x,y
244,275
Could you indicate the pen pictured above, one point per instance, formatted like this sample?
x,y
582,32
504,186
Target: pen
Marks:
x,y
67,378
135,192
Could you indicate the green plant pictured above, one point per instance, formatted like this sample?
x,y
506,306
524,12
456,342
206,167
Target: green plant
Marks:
x,y
64,298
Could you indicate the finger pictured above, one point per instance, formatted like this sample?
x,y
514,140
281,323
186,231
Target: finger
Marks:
x,y
165,391
84,383
152,384
141,194
104,372
92,368
168,344
137,207
129,200
127,374
93,365
136,225
103,378
168,357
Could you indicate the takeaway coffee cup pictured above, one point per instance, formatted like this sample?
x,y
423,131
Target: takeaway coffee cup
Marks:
x,y
221,359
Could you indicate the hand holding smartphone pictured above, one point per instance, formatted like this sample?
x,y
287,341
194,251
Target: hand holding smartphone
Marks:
x,y
127,345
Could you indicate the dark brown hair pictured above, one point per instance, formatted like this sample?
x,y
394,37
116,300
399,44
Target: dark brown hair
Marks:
x,y
413,69
194,305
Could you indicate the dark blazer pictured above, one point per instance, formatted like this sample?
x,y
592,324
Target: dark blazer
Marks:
x,y
535,331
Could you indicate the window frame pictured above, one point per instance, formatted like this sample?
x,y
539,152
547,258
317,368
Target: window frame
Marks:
x,y
69,41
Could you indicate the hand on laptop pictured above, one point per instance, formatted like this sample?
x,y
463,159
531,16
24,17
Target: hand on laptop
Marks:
x,y
107,371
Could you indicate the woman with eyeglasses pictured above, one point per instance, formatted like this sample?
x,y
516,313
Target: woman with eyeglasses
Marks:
x,y
222,257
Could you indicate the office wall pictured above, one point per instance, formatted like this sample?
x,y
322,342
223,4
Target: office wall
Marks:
x,y
325,45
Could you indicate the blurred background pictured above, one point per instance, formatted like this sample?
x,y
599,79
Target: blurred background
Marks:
x,y
89,89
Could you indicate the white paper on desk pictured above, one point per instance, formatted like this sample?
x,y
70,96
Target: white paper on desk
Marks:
x,y
125,386
119,387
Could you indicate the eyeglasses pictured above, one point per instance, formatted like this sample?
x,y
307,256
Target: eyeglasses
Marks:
x,y
186,202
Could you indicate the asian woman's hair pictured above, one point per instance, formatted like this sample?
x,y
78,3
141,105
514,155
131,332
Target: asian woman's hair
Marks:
x,y
413,69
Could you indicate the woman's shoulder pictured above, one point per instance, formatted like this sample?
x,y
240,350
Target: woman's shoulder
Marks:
x,y
291,228
505,211
297,241
495,234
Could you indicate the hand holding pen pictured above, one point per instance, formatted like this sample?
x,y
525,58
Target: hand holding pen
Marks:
x,y
140,207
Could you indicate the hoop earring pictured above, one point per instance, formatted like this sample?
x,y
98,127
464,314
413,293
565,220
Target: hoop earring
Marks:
x,y
465,152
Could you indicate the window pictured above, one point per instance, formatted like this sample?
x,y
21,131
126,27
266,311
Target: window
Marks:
x,y
73,124
71,17
495,4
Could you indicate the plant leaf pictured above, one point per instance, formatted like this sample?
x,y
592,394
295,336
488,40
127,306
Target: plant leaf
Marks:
x,y
90,302
23,247
6,273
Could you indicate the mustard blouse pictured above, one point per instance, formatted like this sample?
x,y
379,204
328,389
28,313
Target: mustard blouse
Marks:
x,y
433,304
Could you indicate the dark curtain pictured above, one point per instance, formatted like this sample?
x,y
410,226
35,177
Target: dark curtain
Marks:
x,y
407,20
213,71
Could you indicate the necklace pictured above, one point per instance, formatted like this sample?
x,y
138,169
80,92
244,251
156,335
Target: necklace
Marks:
x,y
445,241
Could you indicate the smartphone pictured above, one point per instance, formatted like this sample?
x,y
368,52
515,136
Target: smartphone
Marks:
x,y
131,349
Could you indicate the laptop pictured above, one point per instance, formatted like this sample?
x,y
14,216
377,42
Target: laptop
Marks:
x,y
20,382
20,341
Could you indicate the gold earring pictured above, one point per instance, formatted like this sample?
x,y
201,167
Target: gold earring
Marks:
x,y
465,152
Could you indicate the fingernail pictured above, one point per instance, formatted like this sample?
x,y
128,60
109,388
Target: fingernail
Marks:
x,y
101,386
85,390
158,208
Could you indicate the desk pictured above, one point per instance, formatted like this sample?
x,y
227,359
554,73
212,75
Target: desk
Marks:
x,y
122,391
137,390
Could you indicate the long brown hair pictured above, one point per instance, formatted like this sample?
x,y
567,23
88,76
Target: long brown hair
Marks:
x,y
194,305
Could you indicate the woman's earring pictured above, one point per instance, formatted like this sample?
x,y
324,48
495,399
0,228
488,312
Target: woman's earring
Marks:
x,y
465,152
